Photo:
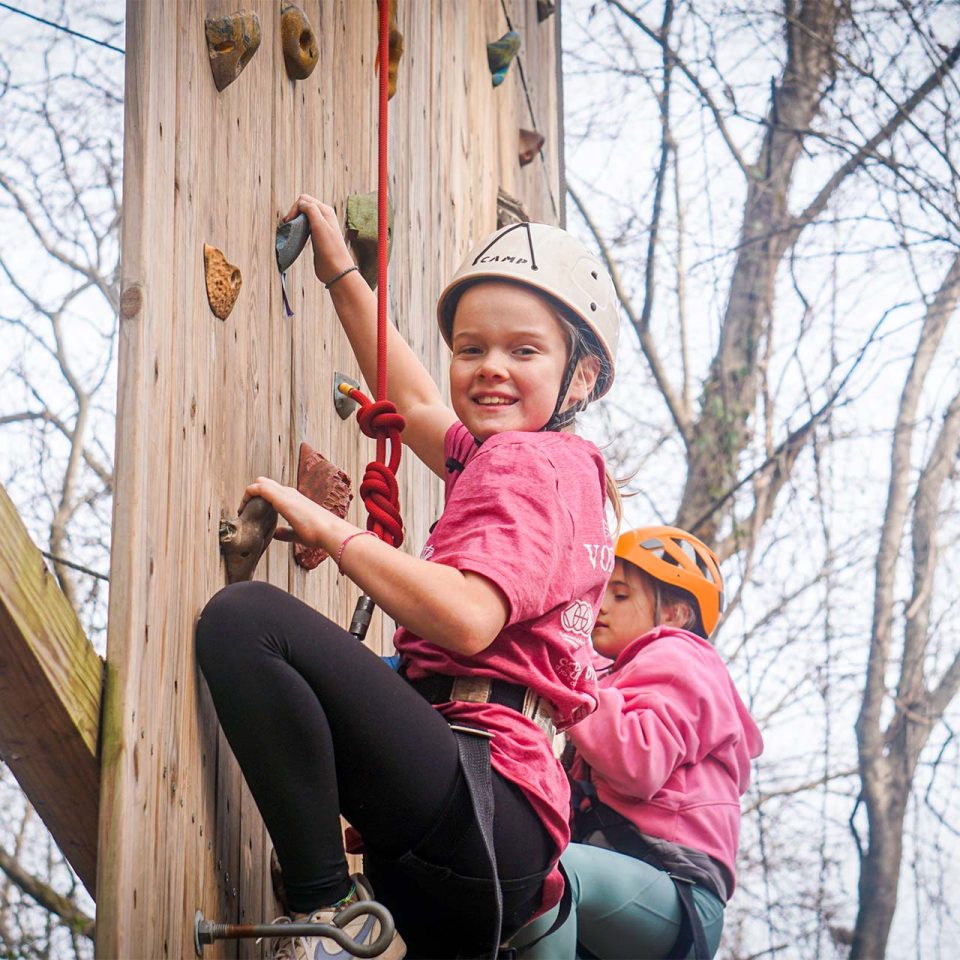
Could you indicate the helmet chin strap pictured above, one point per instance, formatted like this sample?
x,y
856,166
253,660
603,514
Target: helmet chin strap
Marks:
x,y
557,419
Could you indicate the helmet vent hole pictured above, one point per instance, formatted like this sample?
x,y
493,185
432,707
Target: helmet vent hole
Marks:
x,y
593,273
593,306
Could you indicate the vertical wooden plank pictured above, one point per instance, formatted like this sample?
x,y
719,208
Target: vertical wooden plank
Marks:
x,y
149,149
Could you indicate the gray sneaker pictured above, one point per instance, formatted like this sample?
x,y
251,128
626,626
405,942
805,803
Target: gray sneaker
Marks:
x,y
363,929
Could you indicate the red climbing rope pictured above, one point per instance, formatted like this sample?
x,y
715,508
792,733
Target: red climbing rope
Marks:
x,y
380,420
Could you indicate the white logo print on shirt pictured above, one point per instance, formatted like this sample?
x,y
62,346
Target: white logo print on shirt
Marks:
x,y
601,553
569,671
578,618
427,552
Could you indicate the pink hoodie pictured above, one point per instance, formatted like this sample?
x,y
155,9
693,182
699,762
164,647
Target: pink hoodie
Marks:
x,y
671,742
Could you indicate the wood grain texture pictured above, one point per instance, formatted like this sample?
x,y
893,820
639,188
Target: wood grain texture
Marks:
x,y
206,405
50,684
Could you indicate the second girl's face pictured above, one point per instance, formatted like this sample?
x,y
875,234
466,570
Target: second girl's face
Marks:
x,y
628,610
509,356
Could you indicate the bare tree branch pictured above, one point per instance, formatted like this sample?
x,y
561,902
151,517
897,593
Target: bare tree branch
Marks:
x,y
47,897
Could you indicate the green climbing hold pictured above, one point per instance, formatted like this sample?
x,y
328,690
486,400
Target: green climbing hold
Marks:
x,y
500,54
362,232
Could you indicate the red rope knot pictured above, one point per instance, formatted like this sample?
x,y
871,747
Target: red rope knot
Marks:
x,y
378,489
382,500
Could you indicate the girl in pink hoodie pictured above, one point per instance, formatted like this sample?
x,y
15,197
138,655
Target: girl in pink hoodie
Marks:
x,y
659,768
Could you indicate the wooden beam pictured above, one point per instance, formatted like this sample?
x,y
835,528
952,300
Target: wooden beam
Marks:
x,y
50,685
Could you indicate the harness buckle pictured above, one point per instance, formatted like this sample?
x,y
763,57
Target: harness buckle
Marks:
x,y
473,731
471,689
535,708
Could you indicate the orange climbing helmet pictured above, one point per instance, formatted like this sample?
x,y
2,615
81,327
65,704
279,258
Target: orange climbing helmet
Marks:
x,y
554,262
678,559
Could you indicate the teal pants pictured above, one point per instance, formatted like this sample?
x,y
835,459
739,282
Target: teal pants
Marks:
x,y
623,909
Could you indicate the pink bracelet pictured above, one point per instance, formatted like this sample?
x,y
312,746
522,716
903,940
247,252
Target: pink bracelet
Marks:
x,y
346,540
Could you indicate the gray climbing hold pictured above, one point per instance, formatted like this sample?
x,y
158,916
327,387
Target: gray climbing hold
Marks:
x,y
292,237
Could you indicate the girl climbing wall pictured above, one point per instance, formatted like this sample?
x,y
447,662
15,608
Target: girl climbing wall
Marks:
x,y
495,616
659,768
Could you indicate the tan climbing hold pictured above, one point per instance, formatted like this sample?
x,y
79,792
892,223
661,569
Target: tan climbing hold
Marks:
x,y
231,42
323,483
529,146
244,538
223,281
300,48
395,39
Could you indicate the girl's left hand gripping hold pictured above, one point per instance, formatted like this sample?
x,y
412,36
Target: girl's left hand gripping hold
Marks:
x,y
308,520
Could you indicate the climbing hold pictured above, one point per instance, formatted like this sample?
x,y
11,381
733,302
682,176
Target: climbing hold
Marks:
x,y
396,52
323,483
223,281
500,54
529,146
509,210
544,9
292,237
362,232
300,48
231,42
244,538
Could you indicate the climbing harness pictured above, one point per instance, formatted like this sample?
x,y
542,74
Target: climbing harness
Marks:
x,y
440,688
206,932
473,746
592,816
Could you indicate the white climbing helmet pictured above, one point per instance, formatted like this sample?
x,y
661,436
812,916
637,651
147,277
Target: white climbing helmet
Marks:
x,y
553,261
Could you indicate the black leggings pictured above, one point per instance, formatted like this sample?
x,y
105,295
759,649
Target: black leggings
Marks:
x,y
321,726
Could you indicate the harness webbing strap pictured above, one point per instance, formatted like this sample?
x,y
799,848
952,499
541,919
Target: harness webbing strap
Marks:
x,y
691,927
592,815
474,750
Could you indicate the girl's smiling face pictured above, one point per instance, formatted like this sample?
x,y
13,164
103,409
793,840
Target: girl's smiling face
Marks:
x,y
509,357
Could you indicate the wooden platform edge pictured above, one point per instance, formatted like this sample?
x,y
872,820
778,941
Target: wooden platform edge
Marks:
x,y
51,682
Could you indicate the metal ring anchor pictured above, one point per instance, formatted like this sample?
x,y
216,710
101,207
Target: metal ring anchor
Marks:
x,y
342,401
206,931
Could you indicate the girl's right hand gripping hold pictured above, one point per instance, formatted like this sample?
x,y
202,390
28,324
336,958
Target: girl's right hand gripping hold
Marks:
x,y
330,253
410,385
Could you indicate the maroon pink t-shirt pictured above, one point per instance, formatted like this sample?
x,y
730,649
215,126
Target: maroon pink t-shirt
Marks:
x,y
526,512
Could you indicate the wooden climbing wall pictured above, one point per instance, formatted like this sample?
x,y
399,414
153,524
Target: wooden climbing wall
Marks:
x,y
205,405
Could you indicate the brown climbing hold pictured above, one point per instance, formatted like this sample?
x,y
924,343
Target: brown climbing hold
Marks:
x,y
544,9
529,146
300,48
231,42
323,483
244,538
223,281
396,52
362,232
